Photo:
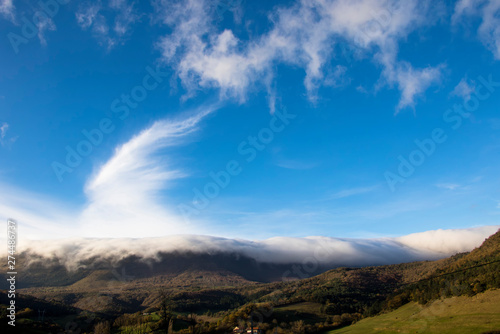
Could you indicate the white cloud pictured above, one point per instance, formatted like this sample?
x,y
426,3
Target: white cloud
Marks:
x,y
448,241
489,12
412,82
303,35
329,251
7,9
96,17
124,194
43,25
126,16
4,141
87,15
464,89
3,130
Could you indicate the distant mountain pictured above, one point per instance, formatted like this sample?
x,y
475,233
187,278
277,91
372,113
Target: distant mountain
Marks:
x,y
129,284
226,269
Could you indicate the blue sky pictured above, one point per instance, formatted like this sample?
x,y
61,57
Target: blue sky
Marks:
x,y
335,118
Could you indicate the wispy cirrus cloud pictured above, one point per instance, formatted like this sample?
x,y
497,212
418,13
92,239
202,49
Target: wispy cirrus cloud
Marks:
x,y
412,82
303,35
43,25
123,195
464,89
3,130
126,16
448,186
97,18
352,192
295,164
489,29
7,9
87,15
4,139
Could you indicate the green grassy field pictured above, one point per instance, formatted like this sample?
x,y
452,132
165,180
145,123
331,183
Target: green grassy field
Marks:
x,y
306,307
457,315
307,311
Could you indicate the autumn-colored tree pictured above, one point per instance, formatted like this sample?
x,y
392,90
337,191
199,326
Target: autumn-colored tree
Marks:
x,y
298,327
102,328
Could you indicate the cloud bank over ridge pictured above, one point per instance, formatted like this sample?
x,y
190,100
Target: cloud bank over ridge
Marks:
x,y
317,250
